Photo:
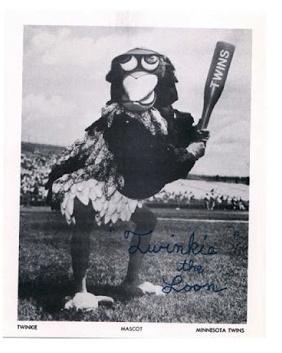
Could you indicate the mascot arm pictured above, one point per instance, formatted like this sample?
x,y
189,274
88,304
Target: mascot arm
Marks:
x,y
187,145
75,157
183,132
179,163
70,165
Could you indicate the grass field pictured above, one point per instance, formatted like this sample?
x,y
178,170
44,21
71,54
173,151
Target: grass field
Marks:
x,y
45,269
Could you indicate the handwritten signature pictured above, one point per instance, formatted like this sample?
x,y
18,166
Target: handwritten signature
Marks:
x,y
177,285
189,247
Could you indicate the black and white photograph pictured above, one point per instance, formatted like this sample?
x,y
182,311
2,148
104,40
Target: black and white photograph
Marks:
x,y
134,188
141,176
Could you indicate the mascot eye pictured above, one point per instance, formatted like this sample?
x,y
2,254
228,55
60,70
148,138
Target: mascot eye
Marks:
x,y
128,63
150,62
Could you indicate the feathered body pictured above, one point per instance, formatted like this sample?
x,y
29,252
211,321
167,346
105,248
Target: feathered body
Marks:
x,y
132,151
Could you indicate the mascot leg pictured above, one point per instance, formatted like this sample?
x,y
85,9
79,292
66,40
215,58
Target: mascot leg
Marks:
x,y
80,244
80,250
145,222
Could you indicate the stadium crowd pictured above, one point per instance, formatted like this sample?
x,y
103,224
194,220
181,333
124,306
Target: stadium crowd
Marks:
x,y
211,200
35,167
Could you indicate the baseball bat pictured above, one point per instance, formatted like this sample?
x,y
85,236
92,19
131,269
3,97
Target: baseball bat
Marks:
x,y
215,82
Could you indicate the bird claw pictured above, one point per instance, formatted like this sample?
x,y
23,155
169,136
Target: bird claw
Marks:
x,y
86,301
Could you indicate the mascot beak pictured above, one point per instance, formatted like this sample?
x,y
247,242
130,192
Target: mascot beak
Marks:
x,y
140,86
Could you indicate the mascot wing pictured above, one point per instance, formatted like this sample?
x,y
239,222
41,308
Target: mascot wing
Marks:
x,y
87,171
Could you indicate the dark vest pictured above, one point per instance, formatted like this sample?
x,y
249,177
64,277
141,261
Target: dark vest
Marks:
x,y
148,162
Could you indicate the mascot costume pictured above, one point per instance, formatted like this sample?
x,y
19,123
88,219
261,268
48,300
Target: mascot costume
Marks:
x,y
139,144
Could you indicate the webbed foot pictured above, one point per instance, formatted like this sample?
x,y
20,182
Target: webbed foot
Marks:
x,y
86,301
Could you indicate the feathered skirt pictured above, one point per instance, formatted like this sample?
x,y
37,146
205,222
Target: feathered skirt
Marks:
x,y
109,206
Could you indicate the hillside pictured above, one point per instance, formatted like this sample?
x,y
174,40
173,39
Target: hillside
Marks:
x,y
41,148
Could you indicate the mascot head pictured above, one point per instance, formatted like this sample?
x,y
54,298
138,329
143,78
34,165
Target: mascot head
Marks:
x,y
142,79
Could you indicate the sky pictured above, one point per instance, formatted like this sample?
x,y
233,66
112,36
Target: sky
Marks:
x,y
64,86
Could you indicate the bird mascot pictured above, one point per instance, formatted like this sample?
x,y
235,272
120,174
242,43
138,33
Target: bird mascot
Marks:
x,y
138,145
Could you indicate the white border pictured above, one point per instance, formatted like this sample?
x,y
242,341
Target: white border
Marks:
x,y
193,19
